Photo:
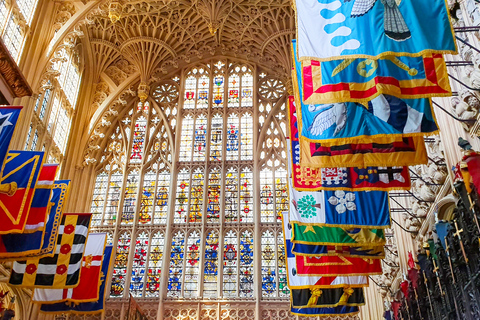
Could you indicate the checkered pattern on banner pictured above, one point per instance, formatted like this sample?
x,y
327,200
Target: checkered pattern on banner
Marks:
x,y
63,269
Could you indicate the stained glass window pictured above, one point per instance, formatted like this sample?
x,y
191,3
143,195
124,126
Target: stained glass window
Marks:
x,y
283,290
231,195
202,93
246,195
266,195
186,139
268,265
214,193
176,265
196,199
155,265
161,202
200,142
192,264
218,91
120,266
98,200
233,91
230,264
139,265
113,197
216,134
138,140
183,193
210,271
232,137
246,264
246,140
130,198
147,197
190,87
281,193
247,88
13,38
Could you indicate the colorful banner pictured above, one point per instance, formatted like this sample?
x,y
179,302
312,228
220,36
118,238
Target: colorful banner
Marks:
x,y
329,29
339,311
325,235
30,242
8,121
63,269
337,265
86,291
305,178
361,80
85,307
298,281
311,250
19,175
399,152
321,298
364,209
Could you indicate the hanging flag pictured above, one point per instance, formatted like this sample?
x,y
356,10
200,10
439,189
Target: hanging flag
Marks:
x,y
400,152
85,307
339,311
8,120
311,250
442,228
63,269
364,209
321,298
337,265
294,280
325,235
305,178
361,80
19,175
86,291
30,242
350,29
473,163
413,277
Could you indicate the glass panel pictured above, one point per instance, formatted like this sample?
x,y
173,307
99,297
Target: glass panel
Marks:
x,y
232,137
98,200
130,198
186,139
34,141
190,87
266,196
216,138
176,266
230,264
62,129
231,195
247,137
218,89
27,7
268,265
3,14
203,85
113,198
233,91
246,195
155,265
283,290
247,89
211,265
183,192
13,38
163,191
192,264
45,100
71,84
200,142
196,199
139,265
281,193
214,193
246,264
138,140
148,195
120,266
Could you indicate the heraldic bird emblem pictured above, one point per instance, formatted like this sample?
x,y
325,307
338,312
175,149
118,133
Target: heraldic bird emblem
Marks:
x,y
394,24
329,115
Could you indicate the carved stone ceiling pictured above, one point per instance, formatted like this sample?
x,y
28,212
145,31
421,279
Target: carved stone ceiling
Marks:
x,y
157,36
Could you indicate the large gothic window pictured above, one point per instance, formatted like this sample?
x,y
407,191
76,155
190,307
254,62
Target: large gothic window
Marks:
x,y
15,20
206,204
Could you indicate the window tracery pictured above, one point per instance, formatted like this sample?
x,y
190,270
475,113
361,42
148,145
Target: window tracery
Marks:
x,y
206,185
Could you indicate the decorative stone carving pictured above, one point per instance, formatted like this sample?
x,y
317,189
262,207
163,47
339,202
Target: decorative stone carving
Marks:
x,y
12,75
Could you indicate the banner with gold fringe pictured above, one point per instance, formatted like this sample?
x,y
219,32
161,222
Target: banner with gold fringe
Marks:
x,y
322,298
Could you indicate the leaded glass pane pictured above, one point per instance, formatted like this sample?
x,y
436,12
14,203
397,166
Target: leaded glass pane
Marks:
x,y
214,193
113,198
202,93
120,266
218,91
268,265
130,198
155,265
161,202
196,199
148,197
247,89
139,265
232,137
283,290
190,87
246,195
200,142
246,264
230,264
13,38
216,138
98,200
192,265
231,195
176,265
246,140
183,192
186,139
233,91
211,265
266,195
138,140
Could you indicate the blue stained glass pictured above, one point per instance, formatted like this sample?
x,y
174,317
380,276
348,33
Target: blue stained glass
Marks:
x,y
232,138
246,264
176,266
268,281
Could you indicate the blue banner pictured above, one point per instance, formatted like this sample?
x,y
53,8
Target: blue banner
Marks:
x,y
8,120
442,227
324,312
